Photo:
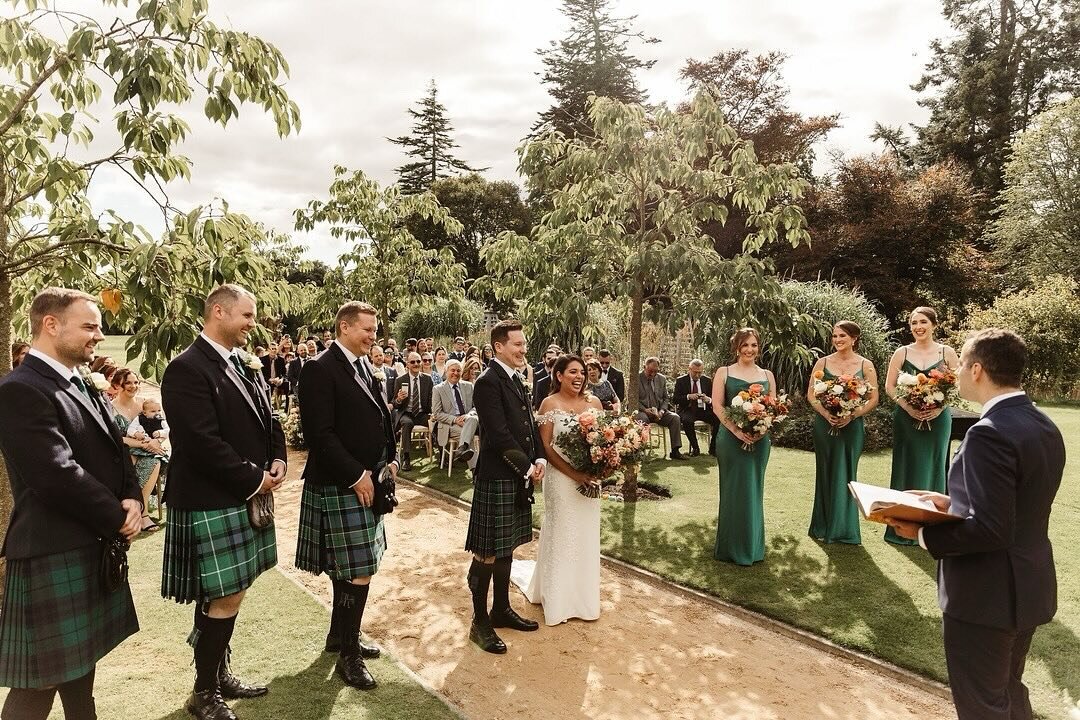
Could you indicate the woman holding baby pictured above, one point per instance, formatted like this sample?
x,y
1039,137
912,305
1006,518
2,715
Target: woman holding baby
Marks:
x,y
144,429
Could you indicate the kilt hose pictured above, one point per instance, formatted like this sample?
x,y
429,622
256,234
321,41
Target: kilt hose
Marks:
x,y
338,536
496,524
58,620
210,554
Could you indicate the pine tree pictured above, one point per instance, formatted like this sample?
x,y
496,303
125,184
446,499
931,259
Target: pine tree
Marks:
x,y
592,58
431,144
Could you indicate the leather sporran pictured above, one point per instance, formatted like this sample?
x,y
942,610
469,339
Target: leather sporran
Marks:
x,y
385,499
114,563
261,510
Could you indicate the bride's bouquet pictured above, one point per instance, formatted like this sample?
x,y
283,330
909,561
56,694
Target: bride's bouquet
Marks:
x,y
756,413
841,396
599,444
926,391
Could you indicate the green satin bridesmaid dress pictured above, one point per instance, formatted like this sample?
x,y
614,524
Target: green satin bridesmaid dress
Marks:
x,y
740,525
835,517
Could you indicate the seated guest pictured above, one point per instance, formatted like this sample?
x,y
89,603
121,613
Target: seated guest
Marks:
x,y
312,348
412,404
260,351
426,362
150,422
285,345
19,350
653,404
601,389
543,367
470,370
383,373
146,452
612,374
458,353
327,338
486,354
693,400
452,408
410,347
438,368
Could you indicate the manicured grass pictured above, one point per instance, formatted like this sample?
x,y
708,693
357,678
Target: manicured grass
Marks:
x,y
279,638
875,597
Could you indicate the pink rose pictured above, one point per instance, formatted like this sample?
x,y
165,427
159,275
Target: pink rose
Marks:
x,y
609,434
586,419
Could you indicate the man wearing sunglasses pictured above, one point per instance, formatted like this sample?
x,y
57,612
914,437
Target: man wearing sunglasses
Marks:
x,y
611,374
412,403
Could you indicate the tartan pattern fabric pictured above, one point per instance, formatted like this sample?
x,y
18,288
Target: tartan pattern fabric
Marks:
x,y
338,536
496,524
57,620
213,553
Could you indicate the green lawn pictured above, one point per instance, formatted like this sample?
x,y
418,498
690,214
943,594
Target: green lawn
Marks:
x,y
278,640
877,598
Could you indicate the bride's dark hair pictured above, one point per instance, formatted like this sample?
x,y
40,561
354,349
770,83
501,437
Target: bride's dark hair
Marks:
x,y
561,364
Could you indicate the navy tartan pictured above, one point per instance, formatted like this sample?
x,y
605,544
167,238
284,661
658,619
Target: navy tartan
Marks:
x,y
57,620
496,524
210,554
338,536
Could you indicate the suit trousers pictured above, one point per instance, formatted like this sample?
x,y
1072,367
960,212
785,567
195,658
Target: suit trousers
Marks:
x,y
465,434
986,668
669,420
705,415
406,421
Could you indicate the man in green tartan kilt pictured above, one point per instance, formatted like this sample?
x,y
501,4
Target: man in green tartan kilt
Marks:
x,y
511,459
350,438
73,488
227,448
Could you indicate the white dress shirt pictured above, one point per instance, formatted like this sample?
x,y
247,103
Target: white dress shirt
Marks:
x,y
59,367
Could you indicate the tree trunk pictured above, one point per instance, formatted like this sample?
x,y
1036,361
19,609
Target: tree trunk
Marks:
x,y
637,303
6,315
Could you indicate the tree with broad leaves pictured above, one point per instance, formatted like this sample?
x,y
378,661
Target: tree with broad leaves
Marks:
x,y
386,265
626,218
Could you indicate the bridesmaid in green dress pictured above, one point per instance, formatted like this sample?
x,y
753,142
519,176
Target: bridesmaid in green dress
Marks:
x,y
740,525
920,457
835,517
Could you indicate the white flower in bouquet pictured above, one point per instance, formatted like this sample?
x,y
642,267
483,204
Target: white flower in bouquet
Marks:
x,y
862,389
819,387
839,390
906,379
737,401
99,382
938,396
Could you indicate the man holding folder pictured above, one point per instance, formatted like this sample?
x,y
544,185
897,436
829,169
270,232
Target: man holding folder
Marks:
x,y
996,578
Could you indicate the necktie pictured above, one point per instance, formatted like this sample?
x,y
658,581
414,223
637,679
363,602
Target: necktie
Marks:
x,y
457,399
520,387
235,359
78,382
362,369
693,386
414,395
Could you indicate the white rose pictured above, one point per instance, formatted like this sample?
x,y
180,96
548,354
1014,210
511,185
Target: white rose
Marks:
x,y
737,401
862,389
938,396
819,387
907,379
837,390
99,382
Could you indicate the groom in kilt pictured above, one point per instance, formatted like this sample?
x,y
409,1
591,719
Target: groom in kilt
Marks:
x,y
73,488
350,438
227,447
511,460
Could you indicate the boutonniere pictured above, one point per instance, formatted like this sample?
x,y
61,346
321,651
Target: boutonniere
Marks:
x,y
249,360
380,376
94,380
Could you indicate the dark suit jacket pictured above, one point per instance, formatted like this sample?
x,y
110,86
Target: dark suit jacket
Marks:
x,y
67,461
618,383
293,373
509,439
222,438
279,363
997,566
346,426
426,386
391,378
541,389
682,389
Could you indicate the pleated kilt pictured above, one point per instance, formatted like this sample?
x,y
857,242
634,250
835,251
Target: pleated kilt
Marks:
x,y
496,524
213,553
338,536
58,620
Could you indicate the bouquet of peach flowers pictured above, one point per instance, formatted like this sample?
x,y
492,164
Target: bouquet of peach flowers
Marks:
x,y
599,444
926,391
756,413
841,396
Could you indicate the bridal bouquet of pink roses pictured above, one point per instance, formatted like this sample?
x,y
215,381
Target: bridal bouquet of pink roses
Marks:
x,y
599,444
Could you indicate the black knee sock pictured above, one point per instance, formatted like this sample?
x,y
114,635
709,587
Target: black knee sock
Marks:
x,y
479,580
352,599
214,636
77,697
500,580
335,614
28,704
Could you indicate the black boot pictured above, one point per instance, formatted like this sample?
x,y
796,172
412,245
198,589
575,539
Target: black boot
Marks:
x,y
350,665
232,687
208,705
481,633
333,636
502,615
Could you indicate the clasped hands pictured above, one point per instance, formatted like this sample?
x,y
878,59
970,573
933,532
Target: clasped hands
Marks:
x,y
910,530
273,477
922,415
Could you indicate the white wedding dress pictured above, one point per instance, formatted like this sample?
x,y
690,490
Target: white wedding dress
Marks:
x,y
565,578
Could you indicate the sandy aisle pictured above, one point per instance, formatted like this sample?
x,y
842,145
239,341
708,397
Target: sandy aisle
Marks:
x,y
654,653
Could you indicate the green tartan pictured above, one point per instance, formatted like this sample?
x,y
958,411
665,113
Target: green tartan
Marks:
x,y
338,536
496,524
210,554
57,620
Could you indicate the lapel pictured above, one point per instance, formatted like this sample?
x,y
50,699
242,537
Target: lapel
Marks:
x,y
230,372
338,355
96,409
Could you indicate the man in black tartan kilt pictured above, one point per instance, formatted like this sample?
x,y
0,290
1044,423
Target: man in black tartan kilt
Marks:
x,y
73,487
227,448
350,437
511,459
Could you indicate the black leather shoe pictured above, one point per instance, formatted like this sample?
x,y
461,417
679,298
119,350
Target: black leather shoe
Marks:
x,y
509,618
694,452
676,455
368,652
464,454
208,705
352,671
233,688
406,465
485,638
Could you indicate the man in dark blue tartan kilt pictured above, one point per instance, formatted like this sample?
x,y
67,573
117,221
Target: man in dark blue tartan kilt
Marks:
x,y
73,489
227,448
350,438
511,459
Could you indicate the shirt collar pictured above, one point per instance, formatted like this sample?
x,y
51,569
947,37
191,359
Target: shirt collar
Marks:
x,y
223,351
509,370
998,398
59,367
348,353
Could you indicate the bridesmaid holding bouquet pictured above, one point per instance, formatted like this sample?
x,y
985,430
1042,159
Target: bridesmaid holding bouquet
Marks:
x,y
920,437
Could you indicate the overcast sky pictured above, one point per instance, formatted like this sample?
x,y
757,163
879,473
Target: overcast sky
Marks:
x,y
356,66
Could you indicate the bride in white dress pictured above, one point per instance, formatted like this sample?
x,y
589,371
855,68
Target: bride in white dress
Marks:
x,y
566,576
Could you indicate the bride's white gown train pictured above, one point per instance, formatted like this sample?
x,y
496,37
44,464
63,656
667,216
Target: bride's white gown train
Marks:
x,y
565,578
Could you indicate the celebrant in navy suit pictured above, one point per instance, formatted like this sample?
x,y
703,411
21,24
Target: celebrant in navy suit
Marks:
x,y
996,578
228,447
73,487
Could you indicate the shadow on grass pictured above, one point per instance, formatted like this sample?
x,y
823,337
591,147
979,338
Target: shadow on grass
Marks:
x,y
1058,648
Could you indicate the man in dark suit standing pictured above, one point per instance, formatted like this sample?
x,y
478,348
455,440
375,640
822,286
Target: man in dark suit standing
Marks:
x,y
541,389
511,460
693,401
274,371
292,374
611,374
227,447
350,437
458,353
72,486
996,578
412,403
385,374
